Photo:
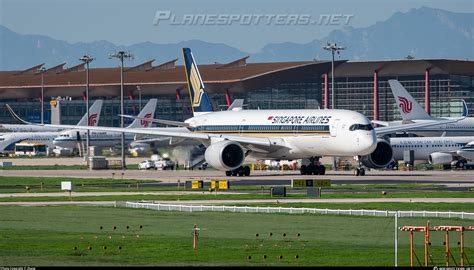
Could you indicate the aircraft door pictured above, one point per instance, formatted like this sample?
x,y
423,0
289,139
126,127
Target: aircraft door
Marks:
x,y
333,127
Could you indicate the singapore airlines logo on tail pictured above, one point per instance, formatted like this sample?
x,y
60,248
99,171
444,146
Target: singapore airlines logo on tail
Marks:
x,y
145,123
92,119
196,85
405,104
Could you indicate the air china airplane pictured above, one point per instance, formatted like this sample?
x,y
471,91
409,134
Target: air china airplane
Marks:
x,y
70,138
412,112
437,150
231,136
8,128
8,140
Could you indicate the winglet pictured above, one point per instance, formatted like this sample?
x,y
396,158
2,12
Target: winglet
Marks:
x,y
465,110
237,105
14,115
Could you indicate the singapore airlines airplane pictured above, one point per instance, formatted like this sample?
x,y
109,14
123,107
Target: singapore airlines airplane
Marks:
x,y
8,140
70,138
412,112
231,136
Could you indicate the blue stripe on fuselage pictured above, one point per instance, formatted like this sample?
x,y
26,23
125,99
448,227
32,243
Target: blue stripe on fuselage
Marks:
x,y
262,128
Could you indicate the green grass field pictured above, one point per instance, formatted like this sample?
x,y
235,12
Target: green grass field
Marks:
x,y
43,236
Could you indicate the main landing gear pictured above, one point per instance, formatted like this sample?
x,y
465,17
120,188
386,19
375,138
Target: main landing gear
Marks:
x,y
360,170
240,171
314,167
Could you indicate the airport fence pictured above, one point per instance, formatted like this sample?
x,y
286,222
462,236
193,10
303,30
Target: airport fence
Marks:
x,y
292,210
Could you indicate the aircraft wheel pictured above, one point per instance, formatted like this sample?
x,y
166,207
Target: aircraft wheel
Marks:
x,y
247,171
315,170
322,170
228,173
303,169
356,172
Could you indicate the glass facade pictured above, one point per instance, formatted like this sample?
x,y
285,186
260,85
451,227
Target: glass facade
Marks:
x,y
352,93
446,92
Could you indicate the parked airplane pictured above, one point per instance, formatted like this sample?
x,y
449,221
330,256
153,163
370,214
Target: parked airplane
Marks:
x,y
231,136
70,139
8,140
412,112
5,128
436,150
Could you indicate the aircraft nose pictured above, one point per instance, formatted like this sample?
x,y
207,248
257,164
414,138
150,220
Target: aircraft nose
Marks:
x,y
367,142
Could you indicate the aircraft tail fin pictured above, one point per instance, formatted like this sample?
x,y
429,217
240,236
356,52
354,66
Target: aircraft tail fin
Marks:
x,y
94,114
147,112
200,102
409,108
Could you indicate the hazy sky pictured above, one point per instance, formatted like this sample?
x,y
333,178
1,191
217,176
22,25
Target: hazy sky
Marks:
x,y
126,22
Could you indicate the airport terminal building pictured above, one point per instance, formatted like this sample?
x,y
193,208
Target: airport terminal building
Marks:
x,y
438,84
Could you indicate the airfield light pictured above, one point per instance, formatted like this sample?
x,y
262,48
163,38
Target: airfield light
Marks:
x,y
87,59
122,55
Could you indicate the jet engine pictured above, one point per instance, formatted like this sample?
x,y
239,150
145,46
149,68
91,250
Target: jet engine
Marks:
x,y
440,158
225,155
139,149
381,157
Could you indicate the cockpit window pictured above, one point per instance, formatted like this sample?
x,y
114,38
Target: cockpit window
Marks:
x,y
469,146
361,127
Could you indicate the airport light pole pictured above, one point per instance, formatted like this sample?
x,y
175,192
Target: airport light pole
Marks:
x,y
122,55
87,59
42,70
333,48
139,89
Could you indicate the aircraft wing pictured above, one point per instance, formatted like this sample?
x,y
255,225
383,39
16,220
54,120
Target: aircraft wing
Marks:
x,y
245,140
160,121
381,123
406,127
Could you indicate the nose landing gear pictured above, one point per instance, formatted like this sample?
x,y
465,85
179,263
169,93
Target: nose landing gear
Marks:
x,y
360,170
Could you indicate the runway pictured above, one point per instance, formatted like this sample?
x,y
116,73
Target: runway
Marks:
x,y
465,178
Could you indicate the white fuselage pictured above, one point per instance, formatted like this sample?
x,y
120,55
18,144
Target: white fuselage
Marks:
x,y
464,127
6,128
306,133
424,146
8,140
71,138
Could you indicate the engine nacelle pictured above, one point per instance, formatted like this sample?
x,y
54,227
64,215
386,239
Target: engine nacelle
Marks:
x,y
225,155
139,149
440,158
381,157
